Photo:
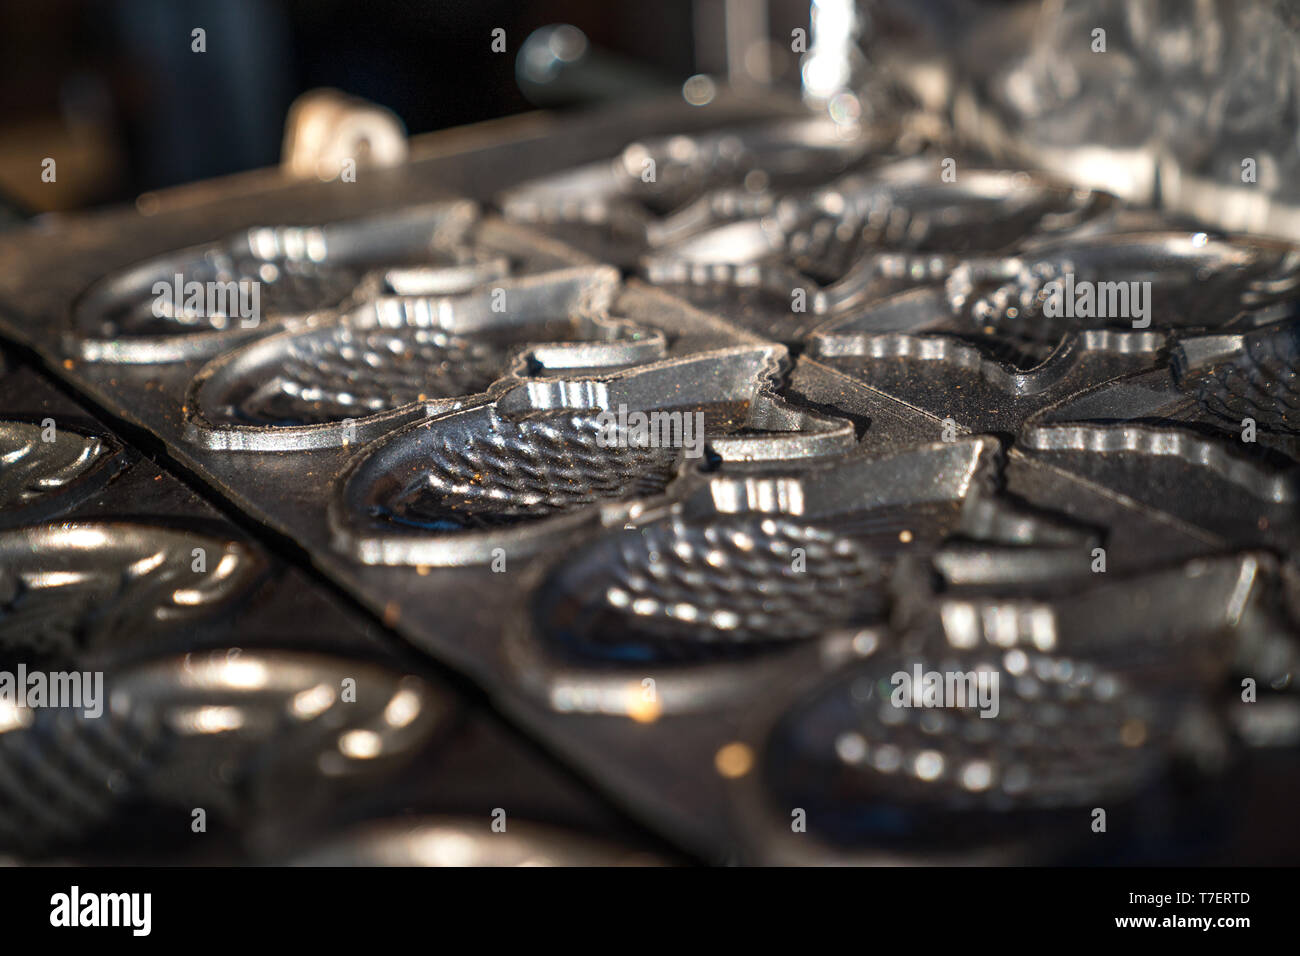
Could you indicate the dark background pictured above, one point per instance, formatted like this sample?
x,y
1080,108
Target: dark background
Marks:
x,y
112,90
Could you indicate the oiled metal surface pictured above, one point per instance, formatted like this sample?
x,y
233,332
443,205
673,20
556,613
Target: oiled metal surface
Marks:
x,y
244,713
683,471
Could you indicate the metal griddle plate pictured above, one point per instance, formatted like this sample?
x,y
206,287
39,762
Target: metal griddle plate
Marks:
x,y
218,697
908,459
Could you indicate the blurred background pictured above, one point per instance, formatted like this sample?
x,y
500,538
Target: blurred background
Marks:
x,y
115,92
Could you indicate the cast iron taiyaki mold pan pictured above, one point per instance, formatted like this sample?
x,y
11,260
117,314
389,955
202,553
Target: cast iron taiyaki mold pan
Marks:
x,y
791,487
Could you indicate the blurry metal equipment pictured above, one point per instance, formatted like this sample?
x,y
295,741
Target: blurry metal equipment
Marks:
x,y
558,66
682,428
833,58
1187,107
327,130
455,843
